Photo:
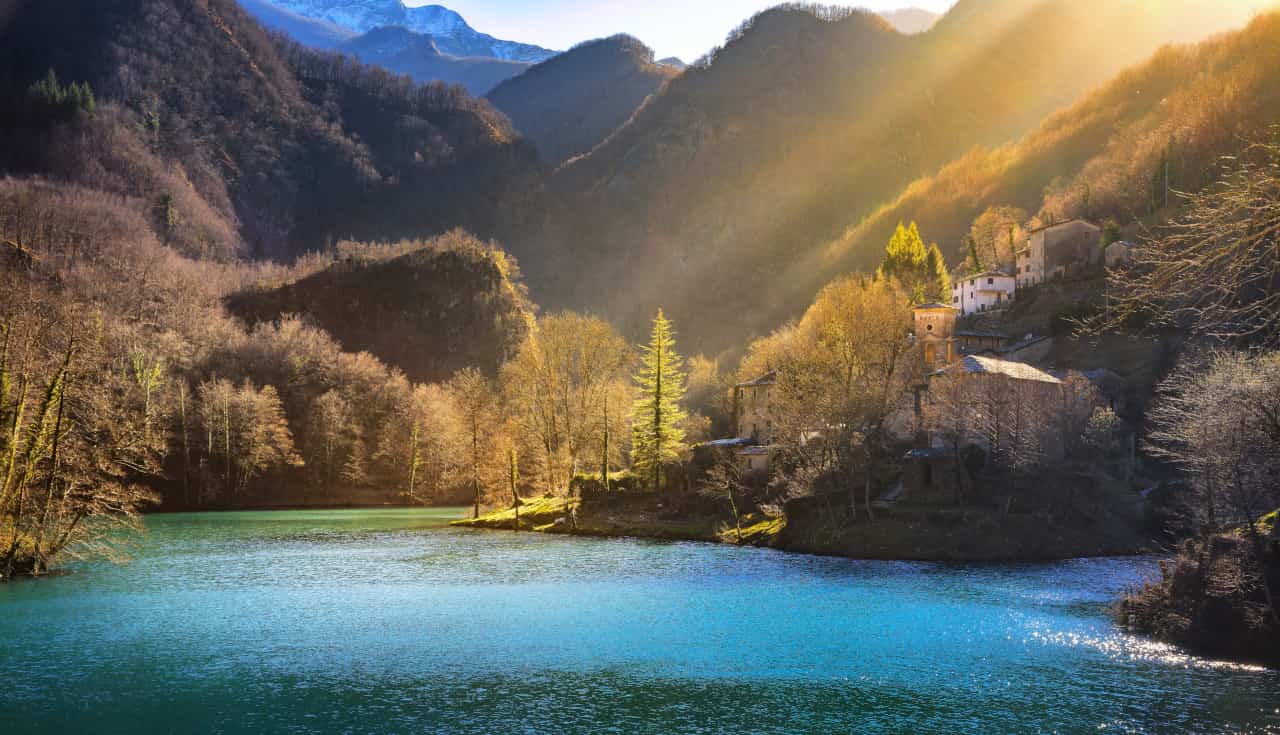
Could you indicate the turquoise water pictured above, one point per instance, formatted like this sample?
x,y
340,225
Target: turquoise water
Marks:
x,y
386,622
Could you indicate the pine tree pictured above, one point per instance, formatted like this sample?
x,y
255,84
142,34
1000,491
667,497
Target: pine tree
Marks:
x,y
938,281
658,418
905,262
975,260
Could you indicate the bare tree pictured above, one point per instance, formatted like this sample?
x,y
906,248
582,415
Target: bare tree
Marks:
x,y
1213,270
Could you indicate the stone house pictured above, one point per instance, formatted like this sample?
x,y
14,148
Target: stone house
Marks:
x,y
752,417
982,292
1058,251
1119,254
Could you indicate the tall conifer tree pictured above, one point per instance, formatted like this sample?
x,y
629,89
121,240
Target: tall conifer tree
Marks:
x,y
657,417
937,279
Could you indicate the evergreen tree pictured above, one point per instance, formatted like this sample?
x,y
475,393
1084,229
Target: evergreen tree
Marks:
x,y
657,417
906,262
937,279
974,260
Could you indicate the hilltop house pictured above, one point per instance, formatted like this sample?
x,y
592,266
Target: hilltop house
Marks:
x,y
1058,251
982,292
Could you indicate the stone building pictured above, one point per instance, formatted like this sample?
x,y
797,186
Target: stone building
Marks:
x,y
1058,251
935,330
751,408
1119,254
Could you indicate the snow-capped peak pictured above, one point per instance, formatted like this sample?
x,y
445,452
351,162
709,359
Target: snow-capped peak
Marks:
x,y
450,31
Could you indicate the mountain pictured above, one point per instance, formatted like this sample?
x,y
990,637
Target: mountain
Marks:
x,y
911,20
404,51
451,33
233,141
307,31
806,122
569,104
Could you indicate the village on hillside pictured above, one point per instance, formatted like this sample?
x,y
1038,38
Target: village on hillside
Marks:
x,y
963,360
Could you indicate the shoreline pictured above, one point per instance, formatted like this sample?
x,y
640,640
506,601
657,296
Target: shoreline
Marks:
x,y
915,536
279,508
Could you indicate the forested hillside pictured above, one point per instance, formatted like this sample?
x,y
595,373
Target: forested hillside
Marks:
x,y
431,309
802,125
232,136
571,103
153,152
1123,153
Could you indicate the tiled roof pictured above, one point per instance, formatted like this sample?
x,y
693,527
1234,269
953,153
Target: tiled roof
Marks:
x,y
1022,345
976,365
929,307
1063,224
981,334
770,378
722,443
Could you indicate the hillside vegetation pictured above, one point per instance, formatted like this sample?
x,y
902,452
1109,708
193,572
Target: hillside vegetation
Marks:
x,y
807,121
235,137
1161,126
439,307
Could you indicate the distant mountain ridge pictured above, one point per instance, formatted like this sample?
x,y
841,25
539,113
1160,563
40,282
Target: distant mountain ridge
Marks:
x,y
451,33
404,51
307,31
569,104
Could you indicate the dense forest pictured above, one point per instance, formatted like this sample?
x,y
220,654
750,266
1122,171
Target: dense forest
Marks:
x,y
246,143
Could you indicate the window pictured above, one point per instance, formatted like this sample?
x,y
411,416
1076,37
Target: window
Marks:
x,y
991,281
955,300
929,328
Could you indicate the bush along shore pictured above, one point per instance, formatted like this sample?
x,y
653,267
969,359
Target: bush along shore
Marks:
x,y
1219,596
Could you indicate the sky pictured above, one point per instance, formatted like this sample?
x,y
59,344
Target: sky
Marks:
x,y
684,28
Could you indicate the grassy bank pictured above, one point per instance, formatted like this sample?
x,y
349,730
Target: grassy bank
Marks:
x,y
895,534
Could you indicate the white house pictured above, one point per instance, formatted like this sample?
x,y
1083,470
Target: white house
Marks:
x,y
982,292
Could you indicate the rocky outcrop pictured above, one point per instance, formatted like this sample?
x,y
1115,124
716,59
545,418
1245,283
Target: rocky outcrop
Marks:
x,y
1218,597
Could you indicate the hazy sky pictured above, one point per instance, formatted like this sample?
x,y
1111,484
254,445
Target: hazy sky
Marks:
x,y
684,28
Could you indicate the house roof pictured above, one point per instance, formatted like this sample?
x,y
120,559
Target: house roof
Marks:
x,y
984,274
978,365
729,443
933,307
1020,345
1056,225
981,334
769,378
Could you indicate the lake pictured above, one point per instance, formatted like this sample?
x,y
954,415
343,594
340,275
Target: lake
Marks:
x,y
385,621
